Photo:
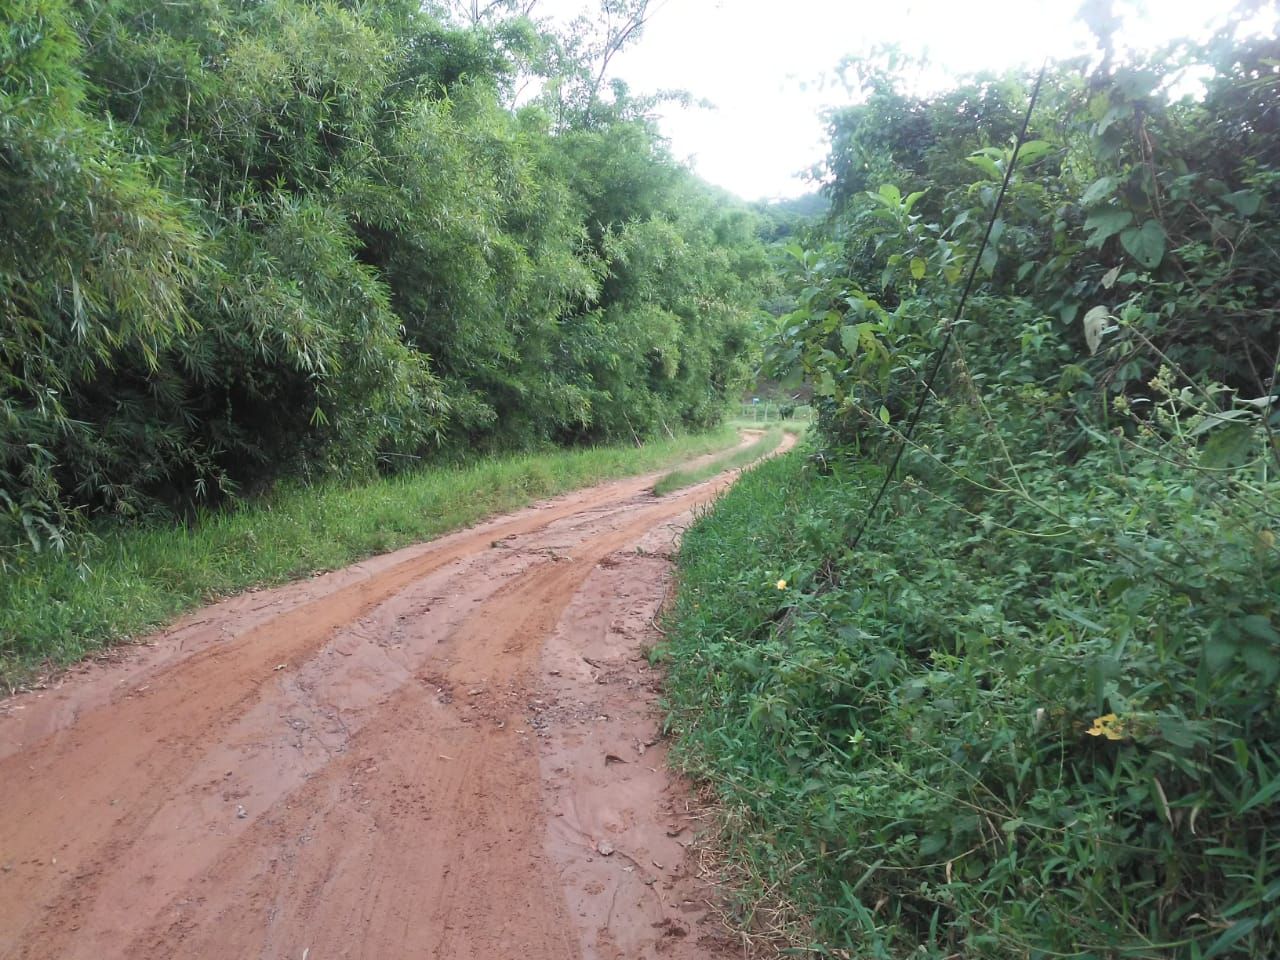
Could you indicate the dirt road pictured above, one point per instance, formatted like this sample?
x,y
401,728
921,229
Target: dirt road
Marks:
x,y
446,752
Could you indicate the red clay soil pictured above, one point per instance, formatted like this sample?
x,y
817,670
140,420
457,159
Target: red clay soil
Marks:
x,y
446,752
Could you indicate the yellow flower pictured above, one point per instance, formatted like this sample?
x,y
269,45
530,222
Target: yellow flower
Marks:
x,y
781,584
1108,725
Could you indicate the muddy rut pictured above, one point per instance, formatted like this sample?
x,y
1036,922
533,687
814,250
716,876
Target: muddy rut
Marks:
x,y
446,752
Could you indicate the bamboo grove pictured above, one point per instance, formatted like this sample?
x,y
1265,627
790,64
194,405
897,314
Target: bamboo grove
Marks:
x,y
250,240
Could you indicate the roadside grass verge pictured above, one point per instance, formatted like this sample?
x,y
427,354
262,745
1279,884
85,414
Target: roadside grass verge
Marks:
x,y
970,738
765,445
56,609
731,562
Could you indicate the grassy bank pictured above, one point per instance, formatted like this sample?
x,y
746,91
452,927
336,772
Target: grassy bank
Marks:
x,y
761,447
962,739
57,609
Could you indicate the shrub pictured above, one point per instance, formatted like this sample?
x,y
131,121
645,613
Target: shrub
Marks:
x,y
987,737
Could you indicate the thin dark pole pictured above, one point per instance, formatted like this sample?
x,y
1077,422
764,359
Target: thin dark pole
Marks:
x,y
951,327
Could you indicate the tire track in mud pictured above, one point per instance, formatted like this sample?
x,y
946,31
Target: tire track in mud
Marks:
x,y
369,765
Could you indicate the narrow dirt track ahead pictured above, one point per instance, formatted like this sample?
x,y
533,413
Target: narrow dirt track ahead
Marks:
x,y
446,752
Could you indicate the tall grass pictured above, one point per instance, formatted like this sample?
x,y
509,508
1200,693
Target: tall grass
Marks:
x,y
989,738
762,447
56,609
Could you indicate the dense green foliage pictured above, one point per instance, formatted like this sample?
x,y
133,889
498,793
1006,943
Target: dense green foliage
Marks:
x,y
252,240
1034,713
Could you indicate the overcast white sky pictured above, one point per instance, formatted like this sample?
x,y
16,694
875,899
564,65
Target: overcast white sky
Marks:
x,y
761,61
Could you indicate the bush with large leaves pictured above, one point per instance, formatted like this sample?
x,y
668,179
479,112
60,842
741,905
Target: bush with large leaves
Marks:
x,y
1034,712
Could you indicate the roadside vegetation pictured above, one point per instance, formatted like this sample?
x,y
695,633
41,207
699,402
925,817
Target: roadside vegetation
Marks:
x,y
131,579
762,446
253,243
1028,707
993,672
272,257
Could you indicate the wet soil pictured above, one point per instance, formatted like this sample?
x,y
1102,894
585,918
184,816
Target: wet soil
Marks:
x,y
450,752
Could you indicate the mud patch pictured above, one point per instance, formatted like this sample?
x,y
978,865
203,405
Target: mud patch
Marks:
x,y
424,755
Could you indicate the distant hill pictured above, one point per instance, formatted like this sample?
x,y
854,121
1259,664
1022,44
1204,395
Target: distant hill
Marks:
x,y
789,216
811,205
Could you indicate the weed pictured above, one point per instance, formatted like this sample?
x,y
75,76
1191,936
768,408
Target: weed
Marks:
x,y
974,741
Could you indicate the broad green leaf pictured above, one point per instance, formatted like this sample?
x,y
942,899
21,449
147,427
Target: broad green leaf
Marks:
x,y
1246,202
1145,244
1262,660
1267,793
1260,628
850,340
890,193
1219,651
1099,190
1105,224
917,268
989,258
1119,111
1228,447
912,200
1178,732
1233,933
1033,150
1215,420
986,165
931,843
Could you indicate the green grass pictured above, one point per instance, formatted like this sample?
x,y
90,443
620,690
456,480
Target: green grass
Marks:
x,y
905,738
771,411
762,447
55,610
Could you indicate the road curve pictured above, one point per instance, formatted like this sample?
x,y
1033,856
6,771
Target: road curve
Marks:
x,y
445,752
